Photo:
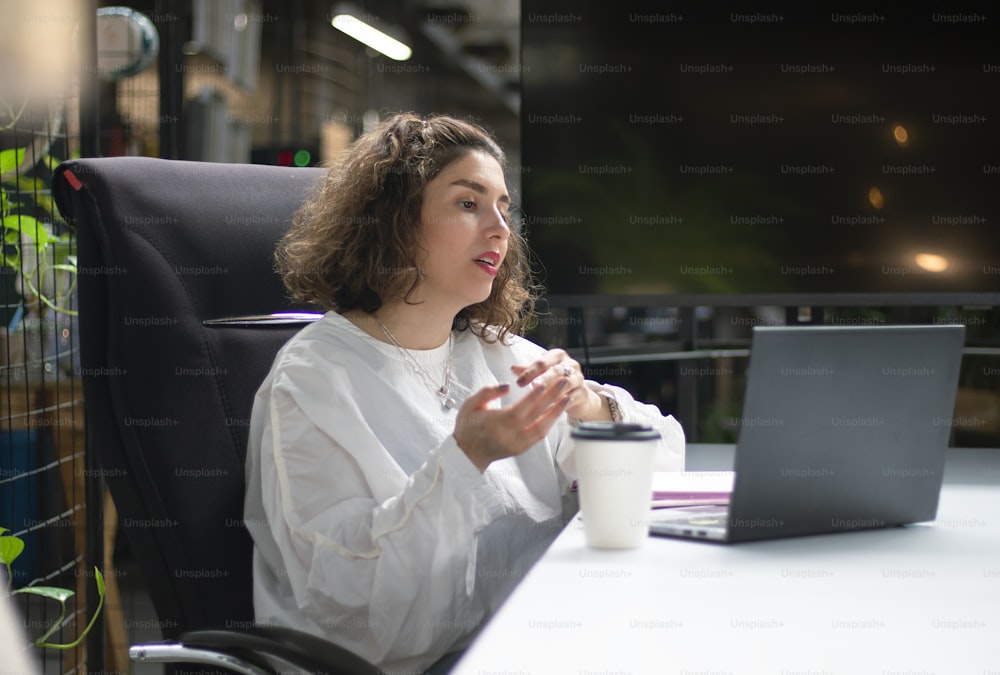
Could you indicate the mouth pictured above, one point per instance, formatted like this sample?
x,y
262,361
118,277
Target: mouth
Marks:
x,y
488,261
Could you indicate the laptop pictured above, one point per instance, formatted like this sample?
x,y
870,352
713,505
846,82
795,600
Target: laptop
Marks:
x,y
843,428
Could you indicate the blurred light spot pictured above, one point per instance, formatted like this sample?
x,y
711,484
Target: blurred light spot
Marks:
x,y
901,135
240,22
875,198
932,262
302,158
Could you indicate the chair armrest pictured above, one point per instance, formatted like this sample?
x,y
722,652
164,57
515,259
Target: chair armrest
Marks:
x,y
174,652
301,650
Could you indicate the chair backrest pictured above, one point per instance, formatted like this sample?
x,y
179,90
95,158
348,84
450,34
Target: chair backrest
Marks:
x,y
163,246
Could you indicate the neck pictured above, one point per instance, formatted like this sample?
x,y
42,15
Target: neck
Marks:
x,y
413,326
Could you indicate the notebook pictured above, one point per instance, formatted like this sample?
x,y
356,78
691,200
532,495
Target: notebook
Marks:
x,y
843,428
691,488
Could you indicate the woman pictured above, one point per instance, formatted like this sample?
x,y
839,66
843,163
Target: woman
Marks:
x,y
410,455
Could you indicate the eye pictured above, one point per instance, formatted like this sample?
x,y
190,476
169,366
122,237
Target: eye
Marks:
x,y
467,204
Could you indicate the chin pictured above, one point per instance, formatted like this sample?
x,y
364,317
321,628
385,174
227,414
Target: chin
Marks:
x,y
473,293
476,299
486,295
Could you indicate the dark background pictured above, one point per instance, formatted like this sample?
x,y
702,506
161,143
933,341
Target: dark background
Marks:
x,y
611,123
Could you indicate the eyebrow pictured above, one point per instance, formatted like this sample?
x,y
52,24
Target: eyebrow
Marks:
x,y
478,187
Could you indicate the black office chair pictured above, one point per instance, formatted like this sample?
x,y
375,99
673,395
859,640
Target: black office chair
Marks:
x,y
164,247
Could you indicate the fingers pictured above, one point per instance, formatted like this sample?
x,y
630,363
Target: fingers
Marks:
x,y
554,365
487,435
541,398
540,427
538,410
481,398
531,418
550,360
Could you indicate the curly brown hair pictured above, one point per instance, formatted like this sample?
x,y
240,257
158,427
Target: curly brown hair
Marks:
x,y
354,243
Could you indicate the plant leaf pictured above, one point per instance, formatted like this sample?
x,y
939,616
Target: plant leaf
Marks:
x,y
30,184
60,595
41,642
11,159
10,548
13,223
37,231
30,227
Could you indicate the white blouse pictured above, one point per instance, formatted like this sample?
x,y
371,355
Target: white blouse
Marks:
x,y
372,528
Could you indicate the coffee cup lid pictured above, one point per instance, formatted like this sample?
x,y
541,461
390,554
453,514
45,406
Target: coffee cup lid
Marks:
x,y
615,431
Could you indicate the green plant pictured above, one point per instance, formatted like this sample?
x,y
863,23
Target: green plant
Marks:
x,y
44,261
10,548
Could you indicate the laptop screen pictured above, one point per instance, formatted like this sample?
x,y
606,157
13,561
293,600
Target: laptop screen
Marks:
x,y
844,427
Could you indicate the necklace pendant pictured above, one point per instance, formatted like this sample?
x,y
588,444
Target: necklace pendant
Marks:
x,y
446,401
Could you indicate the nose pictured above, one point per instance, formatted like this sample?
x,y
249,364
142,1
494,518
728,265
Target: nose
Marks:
x,y
499,227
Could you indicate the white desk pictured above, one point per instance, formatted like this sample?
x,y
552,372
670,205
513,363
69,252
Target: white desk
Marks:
x,y
924,599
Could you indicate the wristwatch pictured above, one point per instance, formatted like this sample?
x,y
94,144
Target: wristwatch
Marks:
x,y
616,412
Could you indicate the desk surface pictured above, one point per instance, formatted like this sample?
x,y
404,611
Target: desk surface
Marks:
x,y
920,599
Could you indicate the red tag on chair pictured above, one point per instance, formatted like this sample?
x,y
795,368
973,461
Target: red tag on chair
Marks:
x,y
73,181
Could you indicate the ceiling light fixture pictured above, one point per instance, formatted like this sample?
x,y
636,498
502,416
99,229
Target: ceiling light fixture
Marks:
x,y
348,20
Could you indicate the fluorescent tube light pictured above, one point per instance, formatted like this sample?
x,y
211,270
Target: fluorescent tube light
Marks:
x,y
371,36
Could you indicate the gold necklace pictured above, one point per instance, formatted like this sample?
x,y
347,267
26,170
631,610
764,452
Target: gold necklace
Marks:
x,y
444,390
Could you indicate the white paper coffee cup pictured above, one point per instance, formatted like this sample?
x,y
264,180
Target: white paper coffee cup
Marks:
x,y
614,462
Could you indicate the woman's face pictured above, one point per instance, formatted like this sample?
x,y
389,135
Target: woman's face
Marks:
x,y
464,231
